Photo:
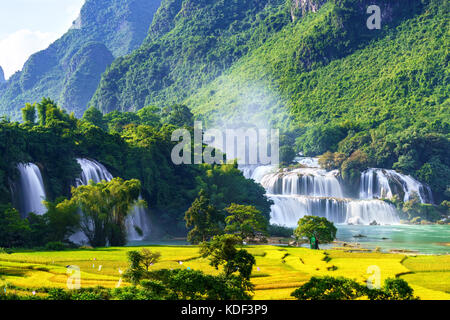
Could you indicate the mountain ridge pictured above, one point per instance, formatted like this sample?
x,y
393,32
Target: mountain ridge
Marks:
x,y
120,26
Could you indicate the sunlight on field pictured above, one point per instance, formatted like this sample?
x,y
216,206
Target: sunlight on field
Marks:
x,y
278,270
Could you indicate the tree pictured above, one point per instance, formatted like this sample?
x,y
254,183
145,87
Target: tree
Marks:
x,y
331,161
178,115
149,258
150,116
352,167
135,271
245,221
95,116
13,229
62,219
221,250
319,228
104,207
29,113
203,218
182,284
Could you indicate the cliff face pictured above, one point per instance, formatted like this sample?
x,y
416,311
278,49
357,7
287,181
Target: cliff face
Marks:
x,y
389,9
69,70
300,7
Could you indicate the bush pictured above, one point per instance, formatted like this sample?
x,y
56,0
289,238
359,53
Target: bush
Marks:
x,y
329,288
393,289
352,167
56,246
280,231
331,161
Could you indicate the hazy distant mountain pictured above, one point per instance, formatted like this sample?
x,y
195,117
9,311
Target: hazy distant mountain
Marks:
x,y
70,69
2,76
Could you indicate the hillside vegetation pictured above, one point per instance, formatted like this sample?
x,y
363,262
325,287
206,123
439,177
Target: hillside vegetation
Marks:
x,y
312,68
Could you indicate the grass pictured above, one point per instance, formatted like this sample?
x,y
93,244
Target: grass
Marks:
x,y
278,272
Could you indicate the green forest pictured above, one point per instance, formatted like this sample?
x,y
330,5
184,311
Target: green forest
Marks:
x,y
132,146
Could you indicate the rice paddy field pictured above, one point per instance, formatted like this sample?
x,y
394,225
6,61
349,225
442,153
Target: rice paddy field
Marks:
x,y
278,272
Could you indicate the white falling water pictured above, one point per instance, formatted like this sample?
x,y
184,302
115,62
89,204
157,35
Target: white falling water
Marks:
x,y
95,171
313,191
308,162
137,218
92,170
287,210
367,211
303,181
32,191
383,183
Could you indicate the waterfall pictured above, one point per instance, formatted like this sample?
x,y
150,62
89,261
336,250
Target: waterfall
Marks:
x,y
304,181
310,190
92,170
287,210
95,171
137,218
367,211
382,183
32,191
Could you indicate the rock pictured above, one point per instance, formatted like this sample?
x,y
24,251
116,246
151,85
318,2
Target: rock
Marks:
x,y
359,236
301,7
374,223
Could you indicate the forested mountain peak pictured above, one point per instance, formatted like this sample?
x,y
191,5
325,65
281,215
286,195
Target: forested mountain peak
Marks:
x,y
116,26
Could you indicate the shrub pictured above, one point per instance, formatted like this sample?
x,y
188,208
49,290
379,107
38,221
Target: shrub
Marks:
x,y
393,289
280,231
55,246
352,167
329,288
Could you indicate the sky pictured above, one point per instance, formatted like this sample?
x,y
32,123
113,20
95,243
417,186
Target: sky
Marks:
x,y
28,26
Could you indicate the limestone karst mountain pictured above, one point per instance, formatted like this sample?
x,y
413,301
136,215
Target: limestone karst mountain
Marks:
x,y
69,70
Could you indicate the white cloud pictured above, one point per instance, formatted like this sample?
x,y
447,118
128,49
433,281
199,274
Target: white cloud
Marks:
x,y
17,47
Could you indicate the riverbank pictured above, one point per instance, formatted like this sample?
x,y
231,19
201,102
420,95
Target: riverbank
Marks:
x,y
278,270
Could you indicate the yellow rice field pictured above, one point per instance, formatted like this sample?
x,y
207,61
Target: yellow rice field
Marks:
x,y
278,271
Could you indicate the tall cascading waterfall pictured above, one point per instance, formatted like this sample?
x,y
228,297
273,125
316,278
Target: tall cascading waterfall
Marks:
x,y
31,190
95,171
382,183
310,190
92,170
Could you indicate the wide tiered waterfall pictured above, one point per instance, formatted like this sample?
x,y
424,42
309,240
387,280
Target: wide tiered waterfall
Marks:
x,y
95,171
382,183
310,190
31,190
